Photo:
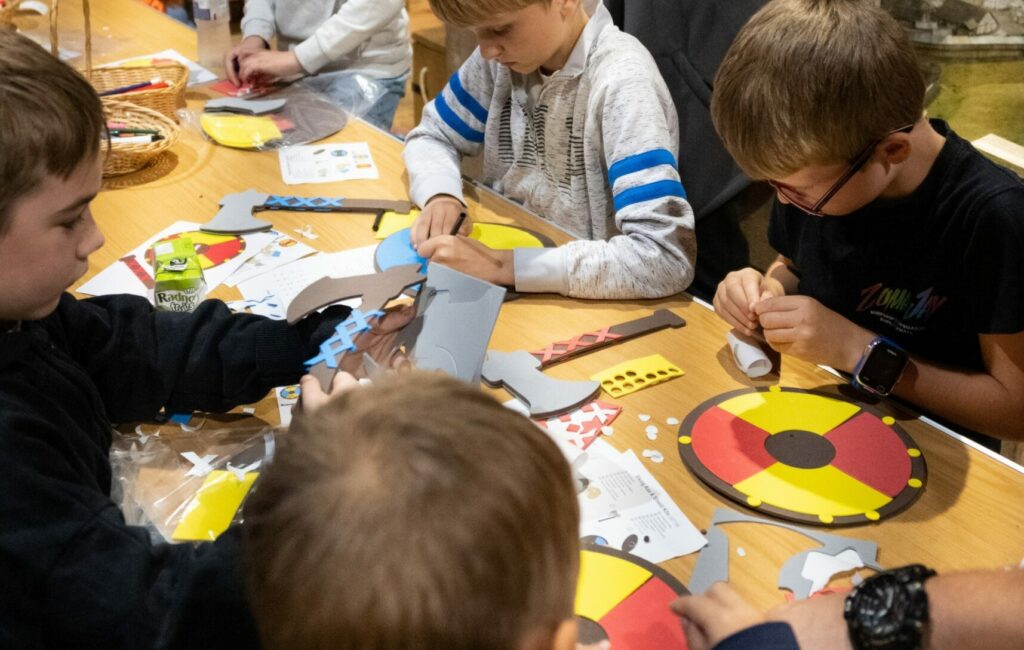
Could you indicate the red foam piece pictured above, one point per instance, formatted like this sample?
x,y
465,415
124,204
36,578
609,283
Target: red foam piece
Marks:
x,y
872,453
643,620
730,447
225,87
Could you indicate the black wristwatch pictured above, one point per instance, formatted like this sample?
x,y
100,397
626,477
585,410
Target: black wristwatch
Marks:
x,y
880,367
889,610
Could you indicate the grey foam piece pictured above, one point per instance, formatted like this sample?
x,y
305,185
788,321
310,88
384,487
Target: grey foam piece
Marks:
x,y
235,214
455,317
244,106
713,562
519,372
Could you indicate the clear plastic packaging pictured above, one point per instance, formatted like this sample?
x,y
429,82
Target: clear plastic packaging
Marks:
x,y
188,484
315,108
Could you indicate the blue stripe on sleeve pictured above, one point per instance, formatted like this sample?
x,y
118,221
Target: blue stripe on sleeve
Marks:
x,y
656,190
639,162
467,100
455,122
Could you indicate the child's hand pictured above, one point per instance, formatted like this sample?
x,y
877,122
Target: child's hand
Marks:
x,y
258,67
471,257
738,293
231,58
438,217
313,397
803,327
715,616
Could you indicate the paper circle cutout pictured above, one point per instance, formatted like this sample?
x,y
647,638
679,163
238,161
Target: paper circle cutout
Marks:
x,y
861,470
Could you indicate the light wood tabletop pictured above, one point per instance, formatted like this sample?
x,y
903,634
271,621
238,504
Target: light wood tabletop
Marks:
x,y
972,508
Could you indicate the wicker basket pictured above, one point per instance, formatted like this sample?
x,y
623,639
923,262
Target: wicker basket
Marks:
x,y
162,100
127,158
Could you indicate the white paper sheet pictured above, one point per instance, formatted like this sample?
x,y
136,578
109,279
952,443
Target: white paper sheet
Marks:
x,y
287,281
327,163
750,358
283,250
120,277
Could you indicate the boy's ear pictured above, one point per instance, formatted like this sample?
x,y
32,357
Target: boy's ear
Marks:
x,y
896,148
566,635
568,7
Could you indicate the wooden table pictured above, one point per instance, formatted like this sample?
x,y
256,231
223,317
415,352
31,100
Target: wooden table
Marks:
x,y
970,514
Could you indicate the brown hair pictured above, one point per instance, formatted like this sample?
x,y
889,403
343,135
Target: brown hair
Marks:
x,y
413,513
50,118
468,13
813,82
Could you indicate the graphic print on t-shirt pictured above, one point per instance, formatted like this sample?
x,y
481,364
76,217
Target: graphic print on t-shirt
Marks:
x,y
904,310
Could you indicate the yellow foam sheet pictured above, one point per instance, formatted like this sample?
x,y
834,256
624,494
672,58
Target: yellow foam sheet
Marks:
x,y
819,491
211,510
240,131
776,411
392,222
605,581
636,374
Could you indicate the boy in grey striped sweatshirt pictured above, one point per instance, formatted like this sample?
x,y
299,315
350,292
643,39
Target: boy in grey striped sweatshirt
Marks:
x,y
574,122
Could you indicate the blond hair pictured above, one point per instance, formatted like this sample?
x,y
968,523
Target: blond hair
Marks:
x,y
469,13
50,119
814,82
413,513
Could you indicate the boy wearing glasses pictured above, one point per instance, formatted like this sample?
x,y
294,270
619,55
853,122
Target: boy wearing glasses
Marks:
x,y
899,243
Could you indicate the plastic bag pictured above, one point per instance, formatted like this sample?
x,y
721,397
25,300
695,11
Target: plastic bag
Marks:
x,y
187,485
315,108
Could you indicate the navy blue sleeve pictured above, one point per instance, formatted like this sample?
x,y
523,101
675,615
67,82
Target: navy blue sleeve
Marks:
x,y
142,360
766,636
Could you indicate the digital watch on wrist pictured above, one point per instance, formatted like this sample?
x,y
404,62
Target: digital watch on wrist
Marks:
x,y
889,610
880,367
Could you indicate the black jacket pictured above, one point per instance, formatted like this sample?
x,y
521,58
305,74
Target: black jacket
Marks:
x,y
72,573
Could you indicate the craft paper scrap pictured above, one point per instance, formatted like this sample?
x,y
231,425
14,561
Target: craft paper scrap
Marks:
x,y
618,580
279,252
287,281
219,256
210,512
820,567
327,163
197,74
623,506
287,397
582,426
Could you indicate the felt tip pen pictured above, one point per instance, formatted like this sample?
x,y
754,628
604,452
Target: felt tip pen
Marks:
x,y
130,131
136,139
458,223
131,87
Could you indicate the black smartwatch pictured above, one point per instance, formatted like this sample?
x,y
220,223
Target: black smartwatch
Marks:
x,y
889,610
880,367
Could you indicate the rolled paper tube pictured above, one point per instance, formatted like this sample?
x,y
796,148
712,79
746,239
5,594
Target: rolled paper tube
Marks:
x,y
749,356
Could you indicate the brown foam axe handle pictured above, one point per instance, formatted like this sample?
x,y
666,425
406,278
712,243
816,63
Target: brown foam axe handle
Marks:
x,y
376,289
588,341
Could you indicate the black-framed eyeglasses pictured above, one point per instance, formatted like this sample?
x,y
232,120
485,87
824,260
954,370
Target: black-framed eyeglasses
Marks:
x,y
858,161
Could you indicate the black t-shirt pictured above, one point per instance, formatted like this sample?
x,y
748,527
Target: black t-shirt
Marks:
x,y
931,270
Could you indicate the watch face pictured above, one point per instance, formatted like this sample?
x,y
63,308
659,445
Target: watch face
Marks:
x,y
882,368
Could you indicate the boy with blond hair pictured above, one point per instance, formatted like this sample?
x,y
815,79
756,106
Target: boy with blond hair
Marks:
x,y
380,526
74,574
573,121
899,243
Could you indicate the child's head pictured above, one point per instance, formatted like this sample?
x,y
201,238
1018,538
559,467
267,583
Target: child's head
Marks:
x,y
414,513
813,83
51,125
522,35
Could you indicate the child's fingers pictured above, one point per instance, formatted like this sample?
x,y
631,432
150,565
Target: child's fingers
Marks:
x,y
342,382
312,396
731,314
751,286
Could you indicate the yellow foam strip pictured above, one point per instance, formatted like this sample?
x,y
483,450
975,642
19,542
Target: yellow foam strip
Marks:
x,y
239,131
501,237
211,510
821,491
636,374
784,410
392,222
605,581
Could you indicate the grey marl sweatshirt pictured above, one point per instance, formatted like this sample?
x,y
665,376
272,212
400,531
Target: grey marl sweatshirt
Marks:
x,y
591,148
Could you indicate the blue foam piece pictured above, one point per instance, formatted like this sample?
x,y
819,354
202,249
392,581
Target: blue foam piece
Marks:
x,y
397,250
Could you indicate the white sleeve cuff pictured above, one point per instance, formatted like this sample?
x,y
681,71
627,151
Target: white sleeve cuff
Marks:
x,y
423,187
310,55
541,270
